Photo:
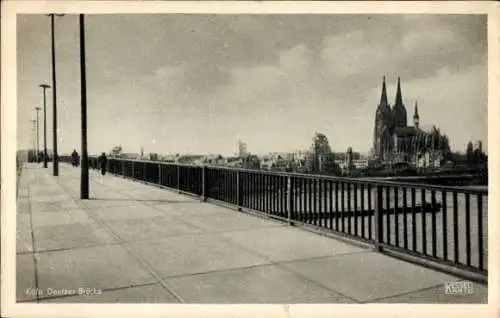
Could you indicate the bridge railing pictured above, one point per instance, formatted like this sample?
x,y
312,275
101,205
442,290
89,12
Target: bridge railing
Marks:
x,y
444,224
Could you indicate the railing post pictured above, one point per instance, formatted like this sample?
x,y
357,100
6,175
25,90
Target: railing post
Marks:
x,y
123,168
379,233
239,188
204,183
290,200
178,178
159,173
144,172
132,175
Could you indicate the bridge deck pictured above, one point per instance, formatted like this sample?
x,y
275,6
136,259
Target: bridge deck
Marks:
x,y
137,243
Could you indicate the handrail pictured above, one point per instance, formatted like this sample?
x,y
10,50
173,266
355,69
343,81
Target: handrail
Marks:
x,y
364,181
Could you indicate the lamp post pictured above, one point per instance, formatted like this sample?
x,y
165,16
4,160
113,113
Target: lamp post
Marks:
x,y
37,134
44,86
84,180
55,158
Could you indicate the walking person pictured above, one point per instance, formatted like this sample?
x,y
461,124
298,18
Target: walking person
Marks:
x,y
102,162
75,158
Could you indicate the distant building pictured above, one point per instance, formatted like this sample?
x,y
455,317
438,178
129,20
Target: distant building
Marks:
x,y
251,162
242,149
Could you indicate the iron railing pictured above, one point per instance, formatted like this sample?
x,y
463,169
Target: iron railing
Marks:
x,y
439,223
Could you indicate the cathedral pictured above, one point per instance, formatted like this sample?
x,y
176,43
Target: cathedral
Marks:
x,y
394,140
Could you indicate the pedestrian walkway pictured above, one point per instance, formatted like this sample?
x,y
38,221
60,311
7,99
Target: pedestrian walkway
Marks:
x,y
132,242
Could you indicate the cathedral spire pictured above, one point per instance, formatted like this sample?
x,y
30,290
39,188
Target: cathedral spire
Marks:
x,y
383,98
399,97
416,117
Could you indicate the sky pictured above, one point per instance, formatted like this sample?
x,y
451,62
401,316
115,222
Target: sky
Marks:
x,y
179,83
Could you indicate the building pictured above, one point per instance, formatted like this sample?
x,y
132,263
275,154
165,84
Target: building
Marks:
x,y
394,140
242,149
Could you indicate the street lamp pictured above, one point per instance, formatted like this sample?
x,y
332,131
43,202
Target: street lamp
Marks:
x,y
37,134
55,158
84,180
44,86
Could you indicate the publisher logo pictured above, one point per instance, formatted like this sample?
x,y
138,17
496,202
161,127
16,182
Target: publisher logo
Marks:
x,y
459,288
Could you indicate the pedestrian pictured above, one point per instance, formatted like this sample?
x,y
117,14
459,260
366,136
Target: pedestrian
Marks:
x,y
75,158
102,161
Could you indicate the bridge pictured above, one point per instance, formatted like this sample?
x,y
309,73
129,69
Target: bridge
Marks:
x,y
158,232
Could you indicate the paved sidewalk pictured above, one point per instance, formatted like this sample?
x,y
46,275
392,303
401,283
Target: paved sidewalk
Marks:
x,y
137,243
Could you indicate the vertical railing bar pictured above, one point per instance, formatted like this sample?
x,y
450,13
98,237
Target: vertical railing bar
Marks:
x,y
283,195
309,199
330,197
319,199
405,218
433,223
315,201
413,220
290,197
336,205
349,208
379,237
133,172
299,193
387,214
342,206
324,219
424,227
370,225
204,188
363,210
444,208
355,212
238,190
396,216
467,230
178,178
480,230
355,208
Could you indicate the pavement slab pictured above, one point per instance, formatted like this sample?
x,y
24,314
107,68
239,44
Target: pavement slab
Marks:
x,y
60,217
52,206
188,208
103,267
71,236
134,210
129,230
281,244
251,285
192,254
368,276
230,221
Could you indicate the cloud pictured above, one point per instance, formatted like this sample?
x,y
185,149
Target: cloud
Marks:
x,y
268,80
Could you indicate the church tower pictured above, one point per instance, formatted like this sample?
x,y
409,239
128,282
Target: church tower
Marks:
x,y
416,117
399,109
383,125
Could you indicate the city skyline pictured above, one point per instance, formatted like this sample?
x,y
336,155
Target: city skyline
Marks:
x,y
198,84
